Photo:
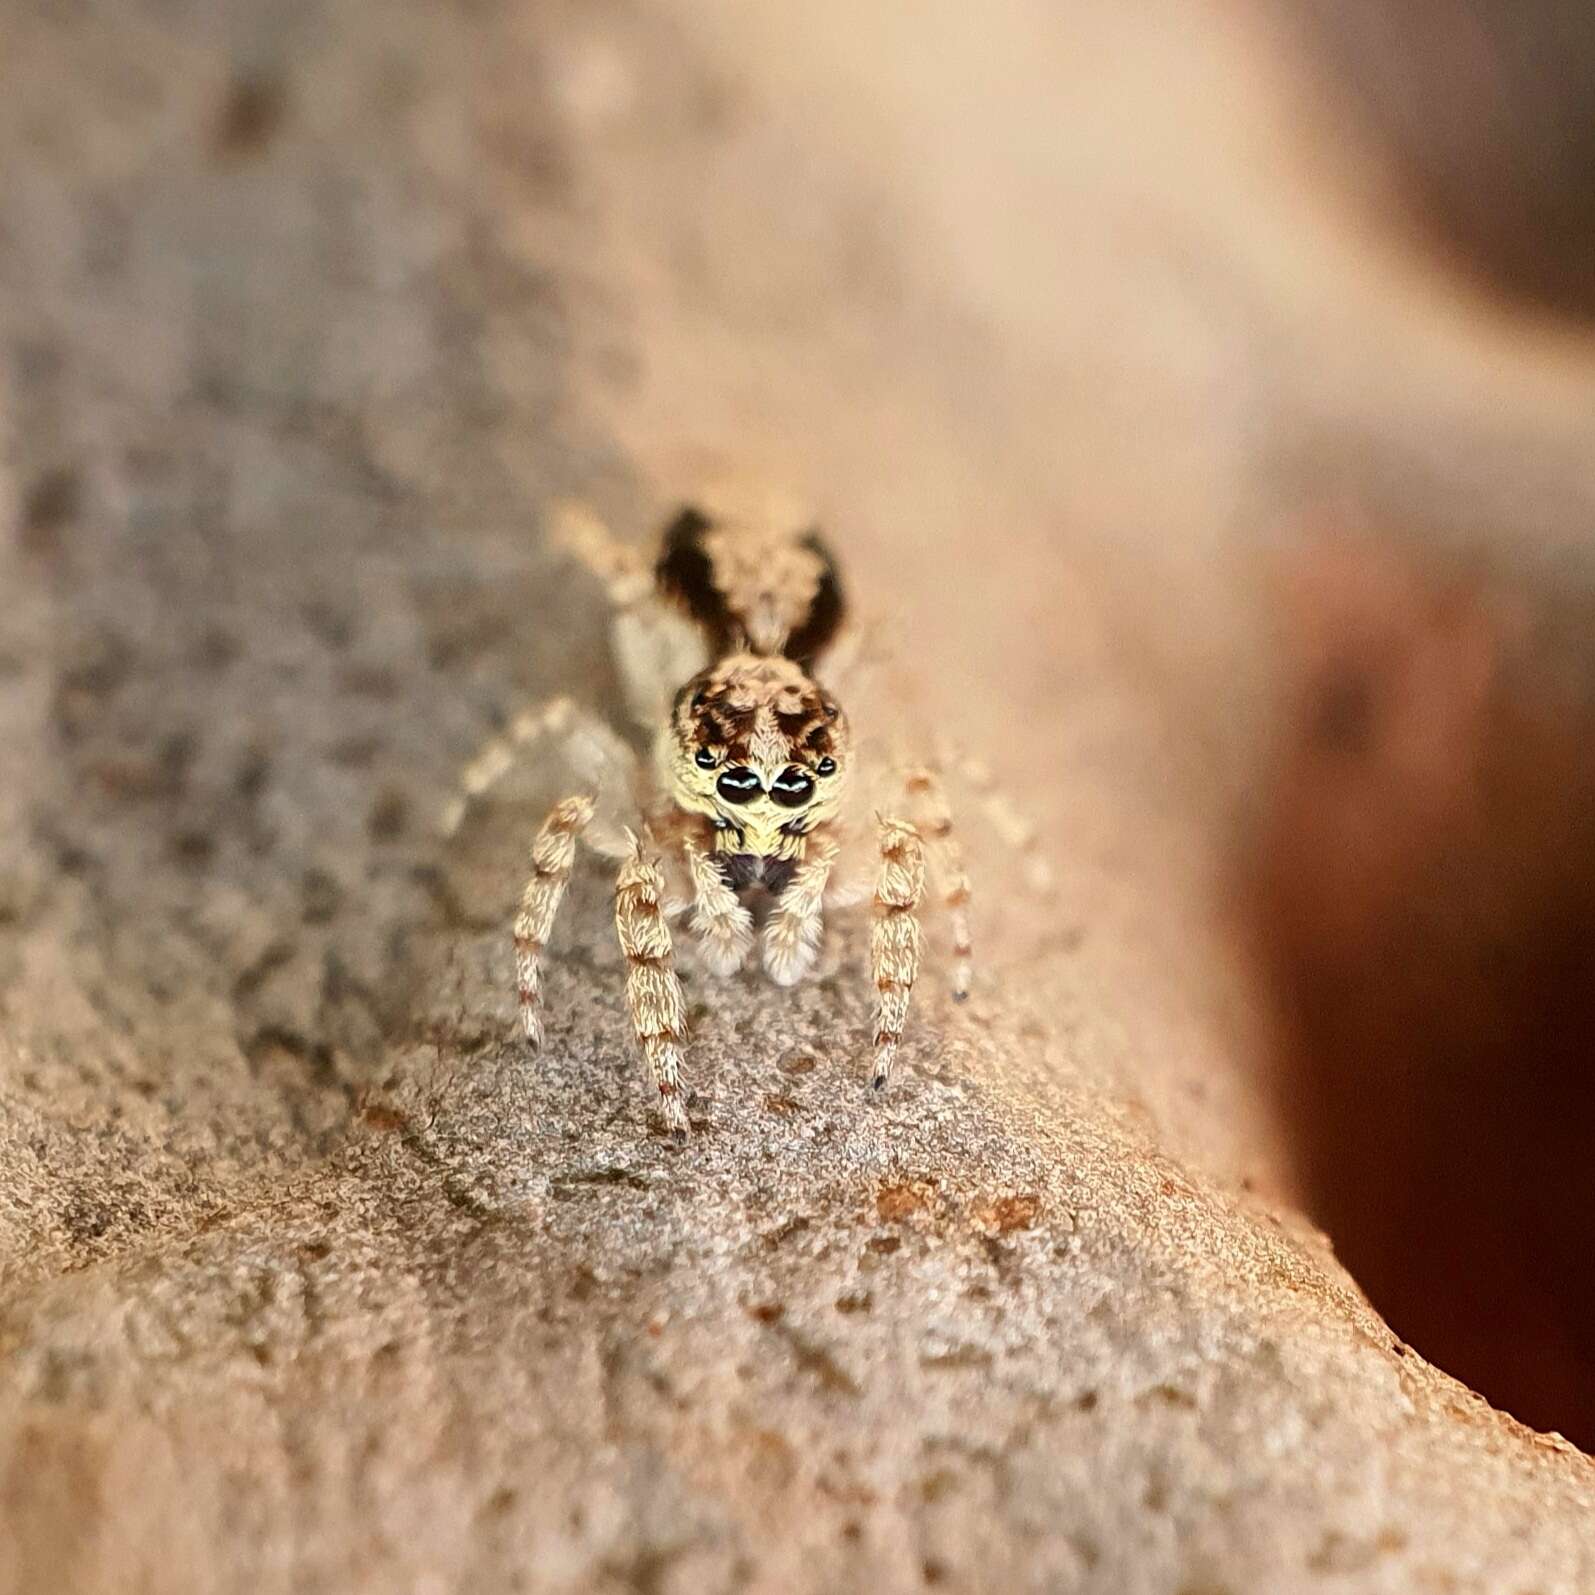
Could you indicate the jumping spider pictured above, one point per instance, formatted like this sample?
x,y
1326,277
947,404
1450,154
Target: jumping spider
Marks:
x,y
745,809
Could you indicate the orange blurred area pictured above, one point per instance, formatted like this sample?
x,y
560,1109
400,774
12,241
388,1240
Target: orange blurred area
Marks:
x,y
1425,912
1423,866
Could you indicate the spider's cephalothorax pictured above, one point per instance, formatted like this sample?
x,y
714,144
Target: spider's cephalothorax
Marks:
x,y
759,749
746,804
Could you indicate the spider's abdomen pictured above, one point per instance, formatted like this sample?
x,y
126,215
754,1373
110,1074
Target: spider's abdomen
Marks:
x,y
751,588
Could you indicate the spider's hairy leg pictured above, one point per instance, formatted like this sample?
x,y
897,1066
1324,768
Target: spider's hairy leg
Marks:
x,y
656,646
590,748
792,933
496,757
623,568
894,937
653,991
553,858
723,926
1014,828
923,786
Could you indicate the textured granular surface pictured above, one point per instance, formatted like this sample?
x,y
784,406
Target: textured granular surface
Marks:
x,y
313,1280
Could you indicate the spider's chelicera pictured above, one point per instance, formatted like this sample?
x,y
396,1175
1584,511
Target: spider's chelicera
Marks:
x,y
744,816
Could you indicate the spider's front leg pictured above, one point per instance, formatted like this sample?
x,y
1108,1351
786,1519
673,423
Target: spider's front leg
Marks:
x,y
553,859
653,992
894,938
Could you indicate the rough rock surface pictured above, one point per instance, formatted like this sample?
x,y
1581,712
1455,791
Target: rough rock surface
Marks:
x,y
311,1279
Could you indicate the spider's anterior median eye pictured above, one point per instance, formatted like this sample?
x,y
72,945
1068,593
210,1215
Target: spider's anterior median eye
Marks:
x,y
826,766
704,759
792,788
738,786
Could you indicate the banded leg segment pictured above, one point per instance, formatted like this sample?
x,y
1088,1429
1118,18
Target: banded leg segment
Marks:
x,y
496,757
723,926
653,992
1015,829
924,788
553,859
656,646
894,938
792,932
595,756
624,569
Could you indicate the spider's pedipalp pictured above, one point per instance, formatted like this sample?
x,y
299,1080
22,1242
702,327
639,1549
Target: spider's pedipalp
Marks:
x,y
723,926
792,933
657,1004
894,938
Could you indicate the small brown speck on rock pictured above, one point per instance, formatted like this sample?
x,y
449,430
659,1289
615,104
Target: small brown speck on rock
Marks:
x,y
900,1200
1001,1215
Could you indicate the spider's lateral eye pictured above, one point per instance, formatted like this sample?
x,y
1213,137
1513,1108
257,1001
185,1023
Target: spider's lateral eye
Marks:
x,y
826,766
704,759
831,711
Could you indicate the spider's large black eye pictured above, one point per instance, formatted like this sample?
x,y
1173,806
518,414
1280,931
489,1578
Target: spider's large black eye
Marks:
x,y
792,788
738,786
704,759
826,766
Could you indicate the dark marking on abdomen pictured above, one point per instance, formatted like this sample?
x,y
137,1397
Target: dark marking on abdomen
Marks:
x,y
808,641
685,574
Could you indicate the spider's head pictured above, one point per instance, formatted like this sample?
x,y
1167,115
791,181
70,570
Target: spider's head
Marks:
x,y
758,747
